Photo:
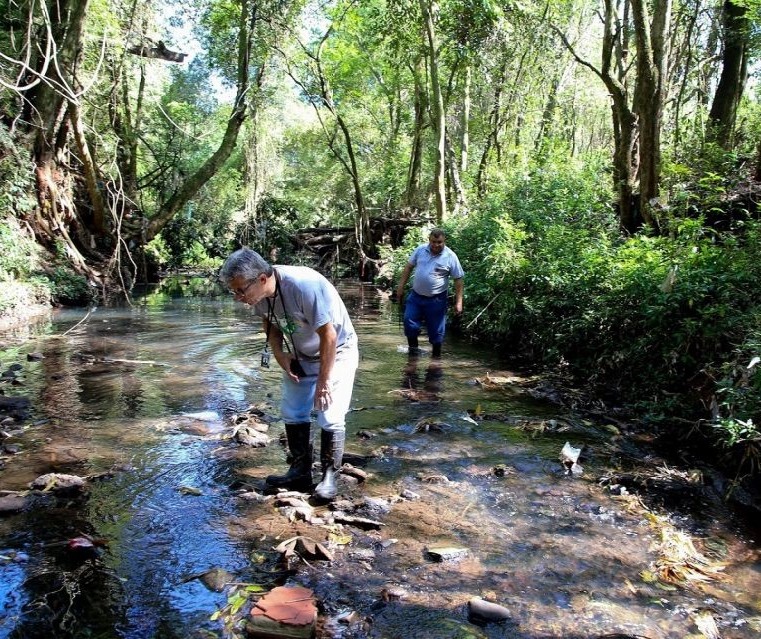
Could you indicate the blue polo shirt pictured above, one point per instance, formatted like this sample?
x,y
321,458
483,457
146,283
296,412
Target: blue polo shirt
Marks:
x,y
432,272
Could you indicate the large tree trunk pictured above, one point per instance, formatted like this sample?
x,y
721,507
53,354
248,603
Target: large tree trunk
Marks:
x,y
721,120
49,104
439,115
648,103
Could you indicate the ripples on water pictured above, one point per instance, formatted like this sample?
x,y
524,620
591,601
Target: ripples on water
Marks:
x,y
148,390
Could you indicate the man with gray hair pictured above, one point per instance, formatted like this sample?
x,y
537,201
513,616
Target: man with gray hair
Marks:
x,y
311,337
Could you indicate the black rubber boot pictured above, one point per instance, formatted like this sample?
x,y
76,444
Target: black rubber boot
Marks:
x,y
299,475
436,350
414,348
331,458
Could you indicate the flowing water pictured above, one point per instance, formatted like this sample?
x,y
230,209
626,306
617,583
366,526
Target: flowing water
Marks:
x,y
140,400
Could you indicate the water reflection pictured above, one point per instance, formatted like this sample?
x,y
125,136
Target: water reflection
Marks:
x,y
146,392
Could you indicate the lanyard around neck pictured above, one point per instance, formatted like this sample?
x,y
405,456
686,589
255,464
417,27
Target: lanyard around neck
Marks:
x,y
272,317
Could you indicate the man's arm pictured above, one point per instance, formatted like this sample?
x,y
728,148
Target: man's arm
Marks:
x,y
458,290
328,340
403,282
276,344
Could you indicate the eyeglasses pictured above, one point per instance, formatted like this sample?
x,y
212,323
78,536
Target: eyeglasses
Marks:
x,y
241,292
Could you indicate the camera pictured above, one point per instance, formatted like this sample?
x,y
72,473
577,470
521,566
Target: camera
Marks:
x,y
297,369
265,362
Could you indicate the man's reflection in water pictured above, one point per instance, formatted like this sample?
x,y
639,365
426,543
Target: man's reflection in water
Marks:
x,y
429,387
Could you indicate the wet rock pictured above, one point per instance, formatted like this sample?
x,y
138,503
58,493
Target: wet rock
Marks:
x,y
446,553
349,617
360,522
59,483
362,554
483,612
34,357
392,592
247,436
409,495
343,505
377,506
347,470
288,612
365,434
216,579
295,502
15,367
252,495
11,449
85,547
433,479
10,504
16,407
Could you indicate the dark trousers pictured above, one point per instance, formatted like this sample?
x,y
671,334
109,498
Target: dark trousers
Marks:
x,y
429,310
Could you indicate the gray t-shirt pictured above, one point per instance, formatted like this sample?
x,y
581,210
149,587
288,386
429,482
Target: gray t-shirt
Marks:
x,y
432,272
305,302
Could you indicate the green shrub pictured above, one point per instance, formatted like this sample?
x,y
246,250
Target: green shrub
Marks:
x,y
18,253
70,288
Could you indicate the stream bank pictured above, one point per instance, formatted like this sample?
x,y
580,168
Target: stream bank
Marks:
x,y
145,401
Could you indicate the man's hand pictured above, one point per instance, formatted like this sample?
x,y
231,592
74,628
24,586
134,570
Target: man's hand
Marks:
x,y
322,396
285,359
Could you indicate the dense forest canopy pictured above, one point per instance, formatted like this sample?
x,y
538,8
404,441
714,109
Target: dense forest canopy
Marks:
x,y
173,122
595,162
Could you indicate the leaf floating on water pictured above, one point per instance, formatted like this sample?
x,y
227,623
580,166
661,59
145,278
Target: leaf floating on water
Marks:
x,y
340,540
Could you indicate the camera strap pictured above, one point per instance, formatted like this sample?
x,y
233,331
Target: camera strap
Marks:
x,y
272,317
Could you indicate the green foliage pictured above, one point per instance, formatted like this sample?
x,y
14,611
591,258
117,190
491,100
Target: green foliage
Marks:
x,y
16,176
654,320
269,232
18,252
69,288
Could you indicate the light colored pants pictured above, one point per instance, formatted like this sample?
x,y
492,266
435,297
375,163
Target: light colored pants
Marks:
x,y
298,397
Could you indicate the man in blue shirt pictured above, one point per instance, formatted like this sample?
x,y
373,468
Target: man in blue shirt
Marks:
x,y
434,264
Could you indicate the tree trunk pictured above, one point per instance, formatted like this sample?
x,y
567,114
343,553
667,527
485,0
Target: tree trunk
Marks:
x,y
465,121
210,167
491,138
412,192
648,101
723,115
49,103
612,72
439,115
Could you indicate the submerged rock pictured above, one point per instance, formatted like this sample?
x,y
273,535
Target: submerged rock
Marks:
x,y
482,611
10,504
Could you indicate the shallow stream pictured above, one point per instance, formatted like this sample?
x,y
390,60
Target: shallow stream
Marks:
x,y
140,399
